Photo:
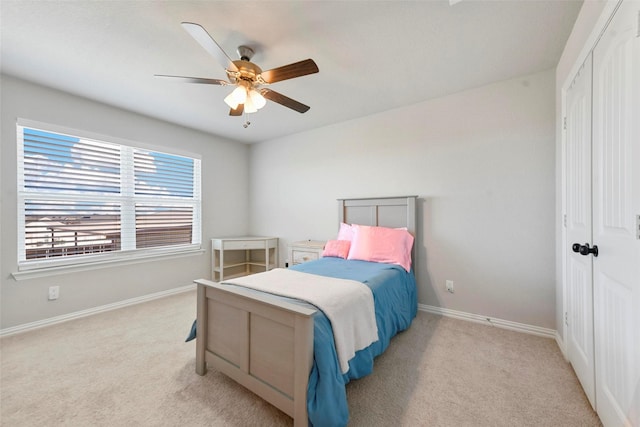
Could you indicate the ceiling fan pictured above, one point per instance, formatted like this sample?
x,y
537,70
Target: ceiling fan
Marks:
x,y
249,95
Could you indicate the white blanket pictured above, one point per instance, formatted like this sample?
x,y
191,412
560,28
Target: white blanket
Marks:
x,y
347,303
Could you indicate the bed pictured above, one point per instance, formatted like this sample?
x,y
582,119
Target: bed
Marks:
x,y
283,349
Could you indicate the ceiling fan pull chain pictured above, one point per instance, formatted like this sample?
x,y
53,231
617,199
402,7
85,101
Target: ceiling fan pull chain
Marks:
x,y
246,120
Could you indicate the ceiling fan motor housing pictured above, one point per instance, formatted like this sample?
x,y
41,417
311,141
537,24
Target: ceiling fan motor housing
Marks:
x,y
247,71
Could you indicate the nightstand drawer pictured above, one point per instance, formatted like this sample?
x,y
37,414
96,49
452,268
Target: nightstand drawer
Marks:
x,y
303,256
306,250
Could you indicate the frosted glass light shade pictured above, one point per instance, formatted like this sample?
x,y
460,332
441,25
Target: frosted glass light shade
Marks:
x,y
238,96
257,99
248,106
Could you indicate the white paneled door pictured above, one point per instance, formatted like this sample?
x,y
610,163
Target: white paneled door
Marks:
x,y
616,206
579,282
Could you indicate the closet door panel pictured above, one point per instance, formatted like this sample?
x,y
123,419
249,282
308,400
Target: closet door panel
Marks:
x,y
616,195
579,279
580,329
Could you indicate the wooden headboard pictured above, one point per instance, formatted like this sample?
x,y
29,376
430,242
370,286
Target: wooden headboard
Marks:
x,y
382,211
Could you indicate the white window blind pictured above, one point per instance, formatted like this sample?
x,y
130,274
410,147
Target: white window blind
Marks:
x,y
84,200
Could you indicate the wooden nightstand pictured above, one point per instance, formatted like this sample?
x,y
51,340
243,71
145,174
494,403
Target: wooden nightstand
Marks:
x,y
306,250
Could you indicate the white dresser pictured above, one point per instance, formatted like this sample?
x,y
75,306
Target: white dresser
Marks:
x,y
240,256
306,250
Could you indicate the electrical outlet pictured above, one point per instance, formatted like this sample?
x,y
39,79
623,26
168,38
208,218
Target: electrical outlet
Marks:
x,y
54,292
450,285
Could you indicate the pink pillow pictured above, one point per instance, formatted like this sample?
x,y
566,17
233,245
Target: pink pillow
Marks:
x,y
345,232
337,248
381,244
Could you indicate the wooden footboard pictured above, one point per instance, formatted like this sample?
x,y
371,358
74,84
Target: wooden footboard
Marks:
x,y
263,343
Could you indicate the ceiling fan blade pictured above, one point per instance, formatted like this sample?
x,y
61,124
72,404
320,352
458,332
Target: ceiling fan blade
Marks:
x,y
209,44
195,79
284,100
297,69
237,111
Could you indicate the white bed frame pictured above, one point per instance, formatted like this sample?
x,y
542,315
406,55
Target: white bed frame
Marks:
x,y
266,344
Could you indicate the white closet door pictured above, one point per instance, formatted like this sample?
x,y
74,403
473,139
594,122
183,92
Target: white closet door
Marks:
x,y
579,320
616,204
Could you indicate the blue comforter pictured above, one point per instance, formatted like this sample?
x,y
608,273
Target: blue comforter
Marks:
x,y
396,304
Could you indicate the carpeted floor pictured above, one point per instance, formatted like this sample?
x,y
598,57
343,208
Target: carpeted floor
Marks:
x,y
131,367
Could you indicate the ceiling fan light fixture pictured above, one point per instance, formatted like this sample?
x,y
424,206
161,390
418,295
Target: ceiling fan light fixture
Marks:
x,y
249,107
230,101
237,97
239,94
257,99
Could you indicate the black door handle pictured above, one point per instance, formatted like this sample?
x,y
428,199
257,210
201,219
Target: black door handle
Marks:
x,y
585,249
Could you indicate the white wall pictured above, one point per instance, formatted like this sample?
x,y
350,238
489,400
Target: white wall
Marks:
x,y
482,163
224,209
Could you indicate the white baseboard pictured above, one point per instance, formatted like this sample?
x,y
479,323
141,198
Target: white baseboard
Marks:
x,y
95,310
505,324
500,323
561,345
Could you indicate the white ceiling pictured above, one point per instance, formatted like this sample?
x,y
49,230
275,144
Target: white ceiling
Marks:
x,y
373,55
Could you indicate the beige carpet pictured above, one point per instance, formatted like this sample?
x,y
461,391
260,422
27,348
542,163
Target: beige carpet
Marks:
x,y
130,367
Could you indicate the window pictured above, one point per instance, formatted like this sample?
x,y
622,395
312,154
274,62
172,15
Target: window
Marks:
x,y
88,200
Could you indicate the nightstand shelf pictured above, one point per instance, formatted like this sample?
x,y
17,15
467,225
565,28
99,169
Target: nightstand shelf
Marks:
x,y
239,256
306,250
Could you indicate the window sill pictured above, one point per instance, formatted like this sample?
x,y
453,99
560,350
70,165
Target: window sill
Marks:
x,y
64,269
